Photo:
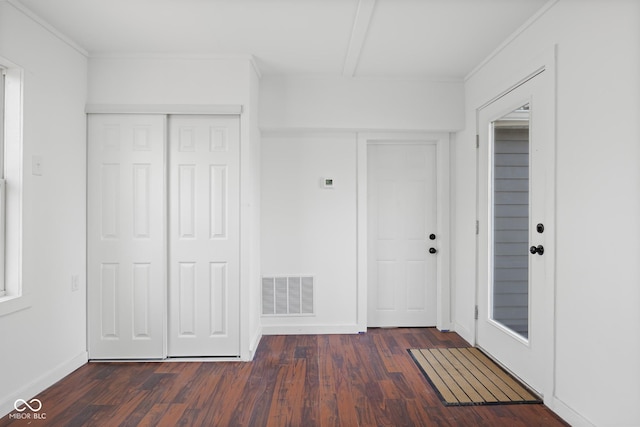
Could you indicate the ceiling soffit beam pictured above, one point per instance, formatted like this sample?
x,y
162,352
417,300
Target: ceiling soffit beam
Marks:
x,y
358,35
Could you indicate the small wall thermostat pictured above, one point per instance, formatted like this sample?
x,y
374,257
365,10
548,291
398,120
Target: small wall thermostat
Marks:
x,y
327,183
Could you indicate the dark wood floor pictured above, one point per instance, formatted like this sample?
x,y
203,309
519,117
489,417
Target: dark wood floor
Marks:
x,y
315,380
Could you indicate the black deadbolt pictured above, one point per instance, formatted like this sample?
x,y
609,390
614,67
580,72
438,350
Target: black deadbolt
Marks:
x,y
432,250
536,250
540,228
432,236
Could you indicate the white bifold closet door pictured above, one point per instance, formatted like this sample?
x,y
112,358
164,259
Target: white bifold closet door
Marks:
x,y
204,236
126,269
163,236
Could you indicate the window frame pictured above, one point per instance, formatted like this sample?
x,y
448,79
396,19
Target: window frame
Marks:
x,y
15,296
3,291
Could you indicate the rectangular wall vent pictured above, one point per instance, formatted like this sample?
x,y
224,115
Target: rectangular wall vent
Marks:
x,y
287,296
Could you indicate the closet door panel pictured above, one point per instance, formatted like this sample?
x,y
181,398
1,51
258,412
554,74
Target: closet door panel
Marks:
x,y
126,284
204,236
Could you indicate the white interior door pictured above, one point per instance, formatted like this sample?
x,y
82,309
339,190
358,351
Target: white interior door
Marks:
x,y
204,236
401,233
516,194
126,236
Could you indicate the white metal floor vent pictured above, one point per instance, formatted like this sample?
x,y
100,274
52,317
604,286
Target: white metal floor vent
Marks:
x,y
286,296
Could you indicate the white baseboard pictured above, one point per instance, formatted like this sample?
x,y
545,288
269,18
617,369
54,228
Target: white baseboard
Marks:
x,y
466,334
253,346
40,384
446,327
567,414
310,329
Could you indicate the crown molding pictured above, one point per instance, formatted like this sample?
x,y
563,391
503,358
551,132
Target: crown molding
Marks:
x,y
44,24
543,10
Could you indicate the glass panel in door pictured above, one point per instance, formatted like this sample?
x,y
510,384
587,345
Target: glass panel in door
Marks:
x,y
510,287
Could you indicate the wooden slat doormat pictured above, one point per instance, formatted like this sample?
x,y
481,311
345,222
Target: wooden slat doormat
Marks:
x,y
465,376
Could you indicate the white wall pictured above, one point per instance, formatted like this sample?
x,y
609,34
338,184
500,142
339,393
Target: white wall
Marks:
x,y
195,81
46,341
598,208
309,230
360,103
158,80
312,124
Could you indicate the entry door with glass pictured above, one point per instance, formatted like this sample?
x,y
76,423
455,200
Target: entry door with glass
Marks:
x,y
515,238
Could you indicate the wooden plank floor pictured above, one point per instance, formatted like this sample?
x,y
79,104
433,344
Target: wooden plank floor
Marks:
x,y
313,380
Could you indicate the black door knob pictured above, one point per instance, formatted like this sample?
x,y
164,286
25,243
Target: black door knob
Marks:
x,y
536,250
432,236
540,228
432,250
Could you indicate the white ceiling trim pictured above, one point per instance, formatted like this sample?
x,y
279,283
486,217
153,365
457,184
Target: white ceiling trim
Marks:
x,y
548,5
255,66
35,18
358,36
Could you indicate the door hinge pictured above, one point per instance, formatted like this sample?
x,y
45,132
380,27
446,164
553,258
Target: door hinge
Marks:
x,y
477,141
475,313
477,227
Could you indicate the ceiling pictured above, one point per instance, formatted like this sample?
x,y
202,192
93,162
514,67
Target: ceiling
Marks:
x,y
436,39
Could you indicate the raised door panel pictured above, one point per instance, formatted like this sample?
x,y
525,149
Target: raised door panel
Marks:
x,y
218,203
108,294
185,198
186,299
110,200
141,295
142,201
218,305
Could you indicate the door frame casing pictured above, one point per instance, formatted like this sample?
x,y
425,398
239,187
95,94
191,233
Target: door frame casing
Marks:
x,y
443,285
546,62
